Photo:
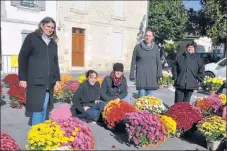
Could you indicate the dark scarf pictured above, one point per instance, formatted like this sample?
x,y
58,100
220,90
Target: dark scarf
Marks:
x,y
117,81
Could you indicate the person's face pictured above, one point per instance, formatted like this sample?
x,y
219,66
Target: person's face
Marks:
x,y
92,78
48,29
118,74
149,37
191,50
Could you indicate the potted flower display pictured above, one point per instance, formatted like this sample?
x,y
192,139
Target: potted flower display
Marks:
x,y
145,129
70,133
58,94
169,123
8,143
151,104
185,115
81,78
17,96
68,90
208,105
115,111
11,79
214,129
213,84
170,82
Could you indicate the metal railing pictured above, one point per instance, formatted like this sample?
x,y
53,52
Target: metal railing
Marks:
x,y
7,66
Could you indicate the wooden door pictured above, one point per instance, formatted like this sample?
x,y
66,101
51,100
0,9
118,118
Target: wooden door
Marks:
x,y
78,47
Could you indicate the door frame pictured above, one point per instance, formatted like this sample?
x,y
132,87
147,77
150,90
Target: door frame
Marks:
x,y
85,43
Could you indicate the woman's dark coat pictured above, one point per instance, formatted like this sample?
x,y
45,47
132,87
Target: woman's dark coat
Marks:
x,y
147,63
110,91
188,71
38,65
85,95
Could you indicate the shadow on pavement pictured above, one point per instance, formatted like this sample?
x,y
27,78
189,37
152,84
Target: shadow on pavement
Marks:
x,y
135,95
2,102
118,133
196,138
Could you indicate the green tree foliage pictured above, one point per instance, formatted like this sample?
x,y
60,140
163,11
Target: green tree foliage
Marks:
x,y
215,12
168,20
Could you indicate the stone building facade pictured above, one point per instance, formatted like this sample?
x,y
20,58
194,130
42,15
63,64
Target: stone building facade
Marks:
x,y
96,34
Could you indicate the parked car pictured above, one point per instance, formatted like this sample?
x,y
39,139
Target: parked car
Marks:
x,y
209,57
217,69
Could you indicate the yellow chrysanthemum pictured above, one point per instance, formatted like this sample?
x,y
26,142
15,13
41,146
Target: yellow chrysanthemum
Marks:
x,y
46,136
222,98
170,124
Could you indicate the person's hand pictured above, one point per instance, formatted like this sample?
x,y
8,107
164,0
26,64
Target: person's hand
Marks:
x,y
57,86
23,84
97,101
86,108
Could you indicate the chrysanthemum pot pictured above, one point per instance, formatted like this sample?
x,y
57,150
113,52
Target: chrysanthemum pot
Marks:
x,y
156,144
161,86
213,145
212,93
170,86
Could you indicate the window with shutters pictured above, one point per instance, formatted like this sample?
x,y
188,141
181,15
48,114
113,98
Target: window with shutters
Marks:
x,y
37,5
28,3
78,5
116,44
119,8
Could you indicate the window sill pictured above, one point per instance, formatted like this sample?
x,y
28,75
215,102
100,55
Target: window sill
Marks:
x,y
85,12
34,9
118,18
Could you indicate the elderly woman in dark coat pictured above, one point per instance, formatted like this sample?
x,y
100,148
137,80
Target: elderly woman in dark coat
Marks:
x,y
146,61
115,86
86,100
39,69
188,72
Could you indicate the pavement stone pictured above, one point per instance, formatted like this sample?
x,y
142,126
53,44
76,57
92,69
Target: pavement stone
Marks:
x,y
15,123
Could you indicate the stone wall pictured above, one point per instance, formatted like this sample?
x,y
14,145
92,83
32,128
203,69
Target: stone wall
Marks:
x,y
99,23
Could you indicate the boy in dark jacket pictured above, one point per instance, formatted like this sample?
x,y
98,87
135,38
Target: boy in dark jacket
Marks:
x,y
188,72
86,103
115,86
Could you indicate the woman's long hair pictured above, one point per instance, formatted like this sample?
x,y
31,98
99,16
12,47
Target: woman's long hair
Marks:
x,y
44,21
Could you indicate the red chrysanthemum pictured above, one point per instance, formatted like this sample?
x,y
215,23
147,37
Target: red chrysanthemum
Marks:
x,y
115,111
185,115
11,79
8,143
17,95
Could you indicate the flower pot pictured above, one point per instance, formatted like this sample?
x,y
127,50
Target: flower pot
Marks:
x,y
155,144
170,86
161,86
212,92
213,145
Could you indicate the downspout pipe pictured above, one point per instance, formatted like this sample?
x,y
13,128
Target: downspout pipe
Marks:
x,y
148,10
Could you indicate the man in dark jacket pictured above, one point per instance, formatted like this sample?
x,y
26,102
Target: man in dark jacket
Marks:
x,y
115,86
188,71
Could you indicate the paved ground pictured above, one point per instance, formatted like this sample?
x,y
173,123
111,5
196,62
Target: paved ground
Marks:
x,y
14,122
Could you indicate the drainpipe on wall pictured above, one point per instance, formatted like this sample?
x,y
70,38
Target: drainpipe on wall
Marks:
x,y
148,10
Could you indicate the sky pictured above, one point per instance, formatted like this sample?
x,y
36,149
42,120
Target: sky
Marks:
x,y
195,4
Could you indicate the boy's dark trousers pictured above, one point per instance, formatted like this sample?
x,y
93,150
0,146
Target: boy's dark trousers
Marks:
x,y
183,95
